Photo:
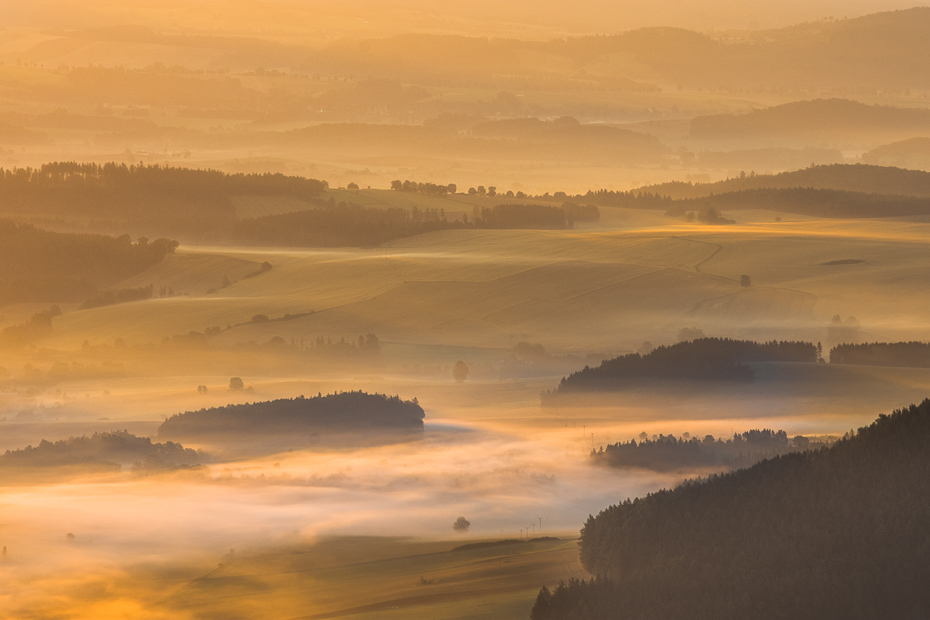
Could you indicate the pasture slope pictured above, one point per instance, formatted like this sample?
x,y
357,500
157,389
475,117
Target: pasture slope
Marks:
x,y
368,578
603,285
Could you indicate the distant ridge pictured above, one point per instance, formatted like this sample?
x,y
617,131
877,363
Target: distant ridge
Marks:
x,y
839,119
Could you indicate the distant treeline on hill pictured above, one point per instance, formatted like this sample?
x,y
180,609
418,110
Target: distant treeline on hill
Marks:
x,y
703,359
902,354
354,225
41,266
799,200
862,178
156,199
669,453
103,452
839,532
340,412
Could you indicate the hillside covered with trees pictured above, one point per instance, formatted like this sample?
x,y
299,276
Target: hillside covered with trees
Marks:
x,y
341,412
703,359
41,266
143,199
833,533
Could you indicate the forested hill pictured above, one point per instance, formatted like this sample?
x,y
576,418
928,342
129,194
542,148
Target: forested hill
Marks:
x,y
835,533
341,412
703,359
151,199
842,177
42,266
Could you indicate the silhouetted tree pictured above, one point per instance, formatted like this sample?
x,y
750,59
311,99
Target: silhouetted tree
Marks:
x,y
236,383
461,524
460,371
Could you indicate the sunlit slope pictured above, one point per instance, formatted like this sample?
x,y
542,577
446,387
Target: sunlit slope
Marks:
x,y
192,273
372,578
611,285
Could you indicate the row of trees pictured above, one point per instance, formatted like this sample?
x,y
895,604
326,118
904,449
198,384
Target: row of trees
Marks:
x,y
430,189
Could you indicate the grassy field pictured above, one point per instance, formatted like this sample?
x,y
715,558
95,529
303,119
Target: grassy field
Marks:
x,y
634,276
380,578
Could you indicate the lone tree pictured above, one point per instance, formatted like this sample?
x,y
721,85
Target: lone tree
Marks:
x,y
744,281
236,383
461,524
460,371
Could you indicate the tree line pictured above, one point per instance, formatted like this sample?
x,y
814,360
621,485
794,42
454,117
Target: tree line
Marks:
x,y
349,224
903,354
669,453
838,532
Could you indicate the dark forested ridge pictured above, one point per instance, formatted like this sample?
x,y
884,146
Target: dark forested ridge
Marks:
x,y
102,452
669,453
340,412
703,359
839,532
42,266
901,354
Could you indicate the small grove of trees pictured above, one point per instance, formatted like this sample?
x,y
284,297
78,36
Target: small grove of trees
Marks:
x,y
119,296
430,189
460,371
236,384
461,524
841,331
38,326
